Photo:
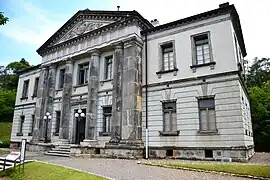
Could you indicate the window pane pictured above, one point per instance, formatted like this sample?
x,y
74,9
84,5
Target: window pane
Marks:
x,y
199,57
174,121
199,52
199,48
167,121
206,103
212,119
203,120
206,47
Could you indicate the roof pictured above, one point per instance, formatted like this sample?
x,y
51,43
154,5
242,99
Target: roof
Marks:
x,y
29,69
117,16
223,9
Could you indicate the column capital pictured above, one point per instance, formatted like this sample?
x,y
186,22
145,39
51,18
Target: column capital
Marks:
x,y
94,52
69,60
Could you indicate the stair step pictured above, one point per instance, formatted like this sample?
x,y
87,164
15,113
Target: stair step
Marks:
x,y
56,154
63,147
59,149
59,152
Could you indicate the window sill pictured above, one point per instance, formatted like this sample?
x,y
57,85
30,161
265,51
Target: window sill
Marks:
x,y
105,134
24,98
167,71
60,89
201,65
30,134
208,132
19,134
169,133
80,85
106,80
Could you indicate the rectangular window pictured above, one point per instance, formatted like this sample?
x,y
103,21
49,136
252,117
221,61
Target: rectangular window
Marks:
x,y
25,89
57,125
202,49
107,116
207,114
108,67
22,117
83,73
33,123
169,116
36,87
167,56
61,78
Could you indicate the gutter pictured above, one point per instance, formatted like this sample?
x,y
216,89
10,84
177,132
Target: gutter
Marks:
x,y
146,99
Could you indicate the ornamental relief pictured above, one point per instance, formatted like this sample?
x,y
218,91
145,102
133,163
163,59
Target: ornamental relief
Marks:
x,y
81,28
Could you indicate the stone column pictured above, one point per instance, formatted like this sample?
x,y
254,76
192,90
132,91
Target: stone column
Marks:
x,y
131,93
117,94
66,104
40,105
92,99
50,95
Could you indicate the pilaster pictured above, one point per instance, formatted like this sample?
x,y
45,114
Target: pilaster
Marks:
x,y
40,105
117,94
66,102
92,98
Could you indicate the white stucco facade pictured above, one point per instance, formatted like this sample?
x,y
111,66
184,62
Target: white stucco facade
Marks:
x,y
185,85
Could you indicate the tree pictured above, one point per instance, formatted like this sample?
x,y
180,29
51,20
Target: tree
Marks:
x,y
3,19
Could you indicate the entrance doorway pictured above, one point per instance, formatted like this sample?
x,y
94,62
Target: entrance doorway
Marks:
x,y
80,127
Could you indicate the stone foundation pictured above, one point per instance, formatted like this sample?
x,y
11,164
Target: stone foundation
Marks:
x,y
38,147
237,154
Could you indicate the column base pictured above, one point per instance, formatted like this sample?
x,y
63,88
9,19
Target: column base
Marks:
x,y
89,142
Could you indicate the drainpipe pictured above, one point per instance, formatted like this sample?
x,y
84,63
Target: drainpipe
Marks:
x,y
146,100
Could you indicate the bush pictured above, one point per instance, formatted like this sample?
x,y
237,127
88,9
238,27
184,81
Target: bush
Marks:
x,y
5,131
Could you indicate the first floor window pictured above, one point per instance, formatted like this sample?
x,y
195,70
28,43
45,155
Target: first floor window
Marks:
x,y
33,123
25,89
83,73
207,114
57,125
108,67
22,117
169,116
107,116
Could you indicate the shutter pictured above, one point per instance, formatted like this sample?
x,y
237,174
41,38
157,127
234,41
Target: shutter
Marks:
x,y
174,122
167,121
203,120
212,119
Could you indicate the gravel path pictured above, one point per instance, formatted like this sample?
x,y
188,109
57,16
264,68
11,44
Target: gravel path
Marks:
x,y
130,170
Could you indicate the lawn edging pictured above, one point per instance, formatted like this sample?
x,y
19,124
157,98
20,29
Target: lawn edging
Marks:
x,y
75,169
200,170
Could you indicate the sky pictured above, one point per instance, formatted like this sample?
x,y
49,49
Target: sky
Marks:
x,y
32,22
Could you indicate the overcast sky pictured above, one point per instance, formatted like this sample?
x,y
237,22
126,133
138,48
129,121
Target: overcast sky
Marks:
x,y
32,22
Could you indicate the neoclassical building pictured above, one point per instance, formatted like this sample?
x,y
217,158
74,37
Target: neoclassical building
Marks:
x,y
114,84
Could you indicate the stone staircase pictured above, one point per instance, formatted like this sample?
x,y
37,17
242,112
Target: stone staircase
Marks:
x,y
62,150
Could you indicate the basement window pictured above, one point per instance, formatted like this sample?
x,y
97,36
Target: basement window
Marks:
x,y
208,153
169,153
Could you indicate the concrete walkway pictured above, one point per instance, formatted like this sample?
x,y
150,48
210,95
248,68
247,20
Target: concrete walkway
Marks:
x,y
129,169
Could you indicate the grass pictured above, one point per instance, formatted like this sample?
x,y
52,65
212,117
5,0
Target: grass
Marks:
x,y
44,171
253,170
5,131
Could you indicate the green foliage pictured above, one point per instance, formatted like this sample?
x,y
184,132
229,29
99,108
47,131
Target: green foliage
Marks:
x,y
3,19
5,132
258,81
44,171
7,101
253,170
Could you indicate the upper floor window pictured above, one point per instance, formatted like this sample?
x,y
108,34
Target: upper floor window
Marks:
x,y
83,73
61,78
107,116
167,56
36,87
207,114
25,89
169,116
108,67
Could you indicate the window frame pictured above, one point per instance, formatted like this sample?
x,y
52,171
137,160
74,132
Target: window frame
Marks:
x,y
106,65
161,47
194,51
83,67
199,112
22,119
104,125
32,124
61,79
171,131
25,90
35,87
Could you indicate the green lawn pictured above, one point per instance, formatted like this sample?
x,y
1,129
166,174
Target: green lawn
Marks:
x,y
44,171
5,131
253,170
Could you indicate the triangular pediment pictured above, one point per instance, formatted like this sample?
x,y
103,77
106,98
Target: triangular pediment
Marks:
x,y
82,27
